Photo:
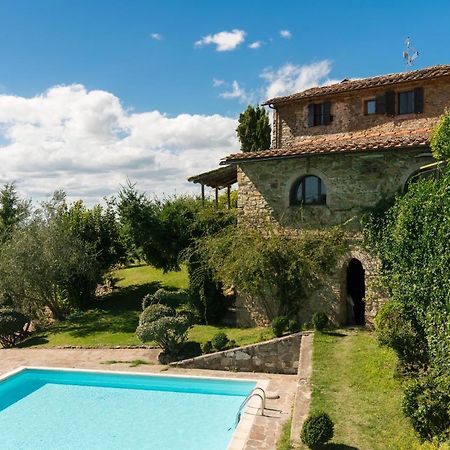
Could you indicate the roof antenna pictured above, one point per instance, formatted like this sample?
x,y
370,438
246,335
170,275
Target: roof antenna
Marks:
x,y
410,54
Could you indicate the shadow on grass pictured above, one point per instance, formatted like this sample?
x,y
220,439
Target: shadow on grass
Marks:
x,y
34,340
334,333
117,312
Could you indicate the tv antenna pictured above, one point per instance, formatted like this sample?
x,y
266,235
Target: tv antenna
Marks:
x,y
410,54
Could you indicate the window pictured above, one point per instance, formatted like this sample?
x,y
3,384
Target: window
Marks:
x,y
319,114
370,106
308,190
406,102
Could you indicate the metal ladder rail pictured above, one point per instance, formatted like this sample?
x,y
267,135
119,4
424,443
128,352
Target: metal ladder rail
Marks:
x,y
247,399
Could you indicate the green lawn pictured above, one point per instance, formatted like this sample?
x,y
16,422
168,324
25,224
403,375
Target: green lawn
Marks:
x,y
113,320
353,382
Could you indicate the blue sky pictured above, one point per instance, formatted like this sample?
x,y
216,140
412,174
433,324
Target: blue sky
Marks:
x,y
122,61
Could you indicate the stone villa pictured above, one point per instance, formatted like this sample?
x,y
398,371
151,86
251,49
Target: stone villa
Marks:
x,y
336,151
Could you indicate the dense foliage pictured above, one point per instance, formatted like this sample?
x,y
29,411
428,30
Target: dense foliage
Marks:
x,y
164,235
440,138
319,320
274,270
161,324
165,297
412,239
220,341
43,266
13,326
13,210
317,430
254,129
279,325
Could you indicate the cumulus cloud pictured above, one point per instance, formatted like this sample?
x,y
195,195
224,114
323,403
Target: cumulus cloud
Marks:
x,y
237,92
291,78
285,34
86,143
256,44
156,36
225,40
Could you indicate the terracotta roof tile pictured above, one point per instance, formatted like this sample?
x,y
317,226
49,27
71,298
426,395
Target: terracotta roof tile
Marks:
x,y
365,83
365,141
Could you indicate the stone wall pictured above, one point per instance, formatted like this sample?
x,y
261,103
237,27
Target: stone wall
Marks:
x,y
347,109
354,182
275,356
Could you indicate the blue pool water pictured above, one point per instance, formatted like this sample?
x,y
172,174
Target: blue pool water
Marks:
x,y
50,409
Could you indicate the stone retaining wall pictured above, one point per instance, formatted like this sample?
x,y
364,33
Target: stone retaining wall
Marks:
x,y
275,356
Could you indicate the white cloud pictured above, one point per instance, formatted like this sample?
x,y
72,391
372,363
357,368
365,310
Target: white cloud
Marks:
x,y
156,36
256,44
224,41
86,143
292,78
238,92
285,34
217,82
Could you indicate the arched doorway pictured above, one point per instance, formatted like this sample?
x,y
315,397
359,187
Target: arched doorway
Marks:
x,y
356,291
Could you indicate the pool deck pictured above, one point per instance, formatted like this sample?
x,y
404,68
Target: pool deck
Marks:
x,y
258,434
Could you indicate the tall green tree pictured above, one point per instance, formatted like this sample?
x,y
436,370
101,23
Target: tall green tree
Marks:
x,y
13,210
254,129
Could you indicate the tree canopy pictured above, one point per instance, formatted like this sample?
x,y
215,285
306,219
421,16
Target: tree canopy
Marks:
x,y
254,129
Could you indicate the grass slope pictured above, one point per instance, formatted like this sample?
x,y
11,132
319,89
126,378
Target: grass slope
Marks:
x,y
114,318
353,382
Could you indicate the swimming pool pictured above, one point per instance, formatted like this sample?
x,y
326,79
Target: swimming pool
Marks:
x,y
66,409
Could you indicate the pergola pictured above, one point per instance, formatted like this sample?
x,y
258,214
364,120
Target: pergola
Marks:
x,y
223,177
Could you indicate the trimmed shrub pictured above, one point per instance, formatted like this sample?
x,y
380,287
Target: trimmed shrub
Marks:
x,y
12,326
220,341
427,404
190,312
317,430
164,297
160,324
207,347
155,312
320,321
294,326
279,325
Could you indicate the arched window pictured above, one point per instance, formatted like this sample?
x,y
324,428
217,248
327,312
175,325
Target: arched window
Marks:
x,y
308,190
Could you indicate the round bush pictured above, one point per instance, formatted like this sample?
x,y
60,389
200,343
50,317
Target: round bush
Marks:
x,y
12,325
317,430
162,296
169,332
207,347
155,312
427,404
320,321
279,325
294,326
220,341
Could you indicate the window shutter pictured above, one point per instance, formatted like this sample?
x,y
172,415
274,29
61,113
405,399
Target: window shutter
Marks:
x,y
390,103
311,115
418,100
380,104
326,113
